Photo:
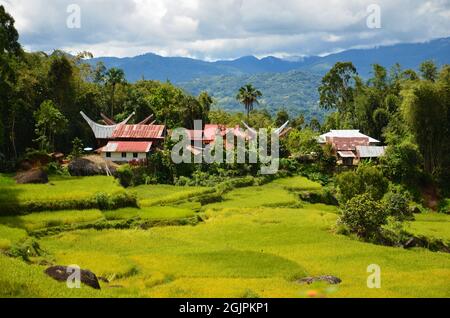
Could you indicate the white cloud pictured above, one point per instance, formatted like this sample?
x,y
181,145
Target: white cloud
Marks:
x,y
214,29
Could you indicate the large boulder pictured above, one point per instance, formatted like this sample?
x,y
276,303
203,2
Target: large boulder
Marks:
x,y
61,274
34,176
326,278
91,166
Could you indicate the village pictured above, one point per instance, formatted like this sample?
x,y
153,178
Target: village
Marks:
x,y
123,142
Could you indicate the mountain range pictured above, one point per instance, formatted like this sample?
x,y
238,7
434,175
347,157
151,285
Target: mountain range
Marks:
x,y
286,83
182,69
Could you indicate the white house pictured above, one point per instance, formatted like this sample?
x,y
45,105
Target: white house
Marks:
x,y
126,151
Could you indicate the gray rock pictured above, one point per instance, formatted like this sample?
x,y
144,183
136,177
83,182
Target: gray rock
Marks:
x,y
326,278
61,274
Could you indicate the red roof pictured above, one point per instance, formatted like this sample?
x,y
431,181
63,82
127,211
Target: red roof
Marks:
x,y
127,146
139,131
347,144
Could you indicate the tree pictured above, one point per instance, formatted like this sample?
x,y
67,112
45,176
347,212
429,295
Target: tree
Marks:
x,y
281,118
429,71
10,53
60,79
49,123
9,37
77,148
99,73
302,142
337,88
402,163
425,111
364,216
114,77
366,179
248,96
315,124
298,122
206,102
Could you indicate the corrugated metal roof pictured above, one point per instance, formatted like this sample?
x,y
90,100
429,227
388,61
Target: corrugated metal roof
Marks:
x,y
139,131
346,133
348,144
346,154
128,146
370,151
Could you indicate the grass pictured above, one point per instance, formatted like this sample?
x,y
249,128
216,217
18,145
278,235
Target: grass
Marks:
x,y
258,242
435,225
149,213
9,236
151,195
59,188
36,221
62,193
298,183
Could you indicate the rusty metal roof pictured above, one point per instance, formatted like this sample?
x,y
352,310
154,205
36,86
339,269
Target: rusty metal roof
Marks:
x,y
346,154
139,131
347,144
127,146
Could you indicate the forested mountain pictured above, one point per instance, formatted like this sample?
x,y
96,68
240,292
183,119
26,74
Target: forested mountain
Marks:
x,y
294,91
180,69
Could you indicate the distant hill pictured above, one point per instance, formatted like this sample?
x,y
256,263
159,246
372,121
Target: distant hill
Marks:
x,y
180,69
408,55
291,84
295,91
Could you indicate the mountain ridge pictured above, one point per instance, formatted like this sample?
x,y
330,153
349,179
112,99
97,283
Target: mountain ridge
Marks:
x,y
183,69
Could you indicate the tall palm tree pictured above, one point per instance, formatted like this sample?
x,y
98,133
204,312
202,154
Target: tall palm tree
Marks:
x,y
114,76
248,96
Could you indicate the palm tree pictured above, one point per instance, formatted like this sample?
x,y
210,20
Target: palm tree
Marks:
x,y
248,95
114,76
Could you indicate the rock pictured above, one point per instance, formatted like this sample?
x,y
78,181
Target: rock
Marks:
x,y
61,274
35,176
326,278
91,166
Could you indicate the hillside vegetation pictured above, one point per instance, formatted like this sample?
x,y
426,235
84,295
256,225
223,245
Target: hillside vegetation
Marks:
x,y
294,91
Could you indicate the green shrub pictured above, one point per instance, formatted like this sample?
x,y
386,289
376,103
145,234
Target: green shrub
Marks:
x,y
324,196
366,179
25,249
363,216
125,175
444,206
397,206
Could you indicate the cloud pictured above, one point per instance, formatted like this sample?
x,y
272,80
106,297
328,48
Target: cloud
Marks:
x,y
213,29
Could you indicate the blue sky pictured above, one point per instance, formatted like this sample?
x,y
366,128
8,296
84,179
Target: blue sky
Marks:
x,y
224,29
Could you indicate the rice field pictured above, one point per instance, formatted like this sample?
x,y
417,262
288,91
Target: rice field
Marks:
x,y
256,242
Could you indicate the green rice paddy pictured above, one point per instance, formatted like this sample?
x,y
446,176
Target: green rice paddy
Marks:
x,y
256,242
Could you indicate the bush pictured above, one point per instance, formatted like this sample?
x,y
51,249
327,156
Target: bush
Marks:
x,y
125,175
397,206
444,206
402,163
367,179
324,196
363,216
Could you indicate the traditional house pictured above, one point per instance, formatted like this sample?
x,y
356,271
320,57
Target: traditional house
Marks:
x,y
121,142
351,146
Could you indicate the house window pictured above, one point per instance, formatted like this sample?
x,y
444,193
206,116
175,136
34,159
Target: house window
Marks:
x,y
108,155
348,161
124,154
135,155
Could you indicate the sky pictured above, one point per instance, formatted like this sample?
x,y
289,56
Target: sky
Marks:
x,y
224,29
